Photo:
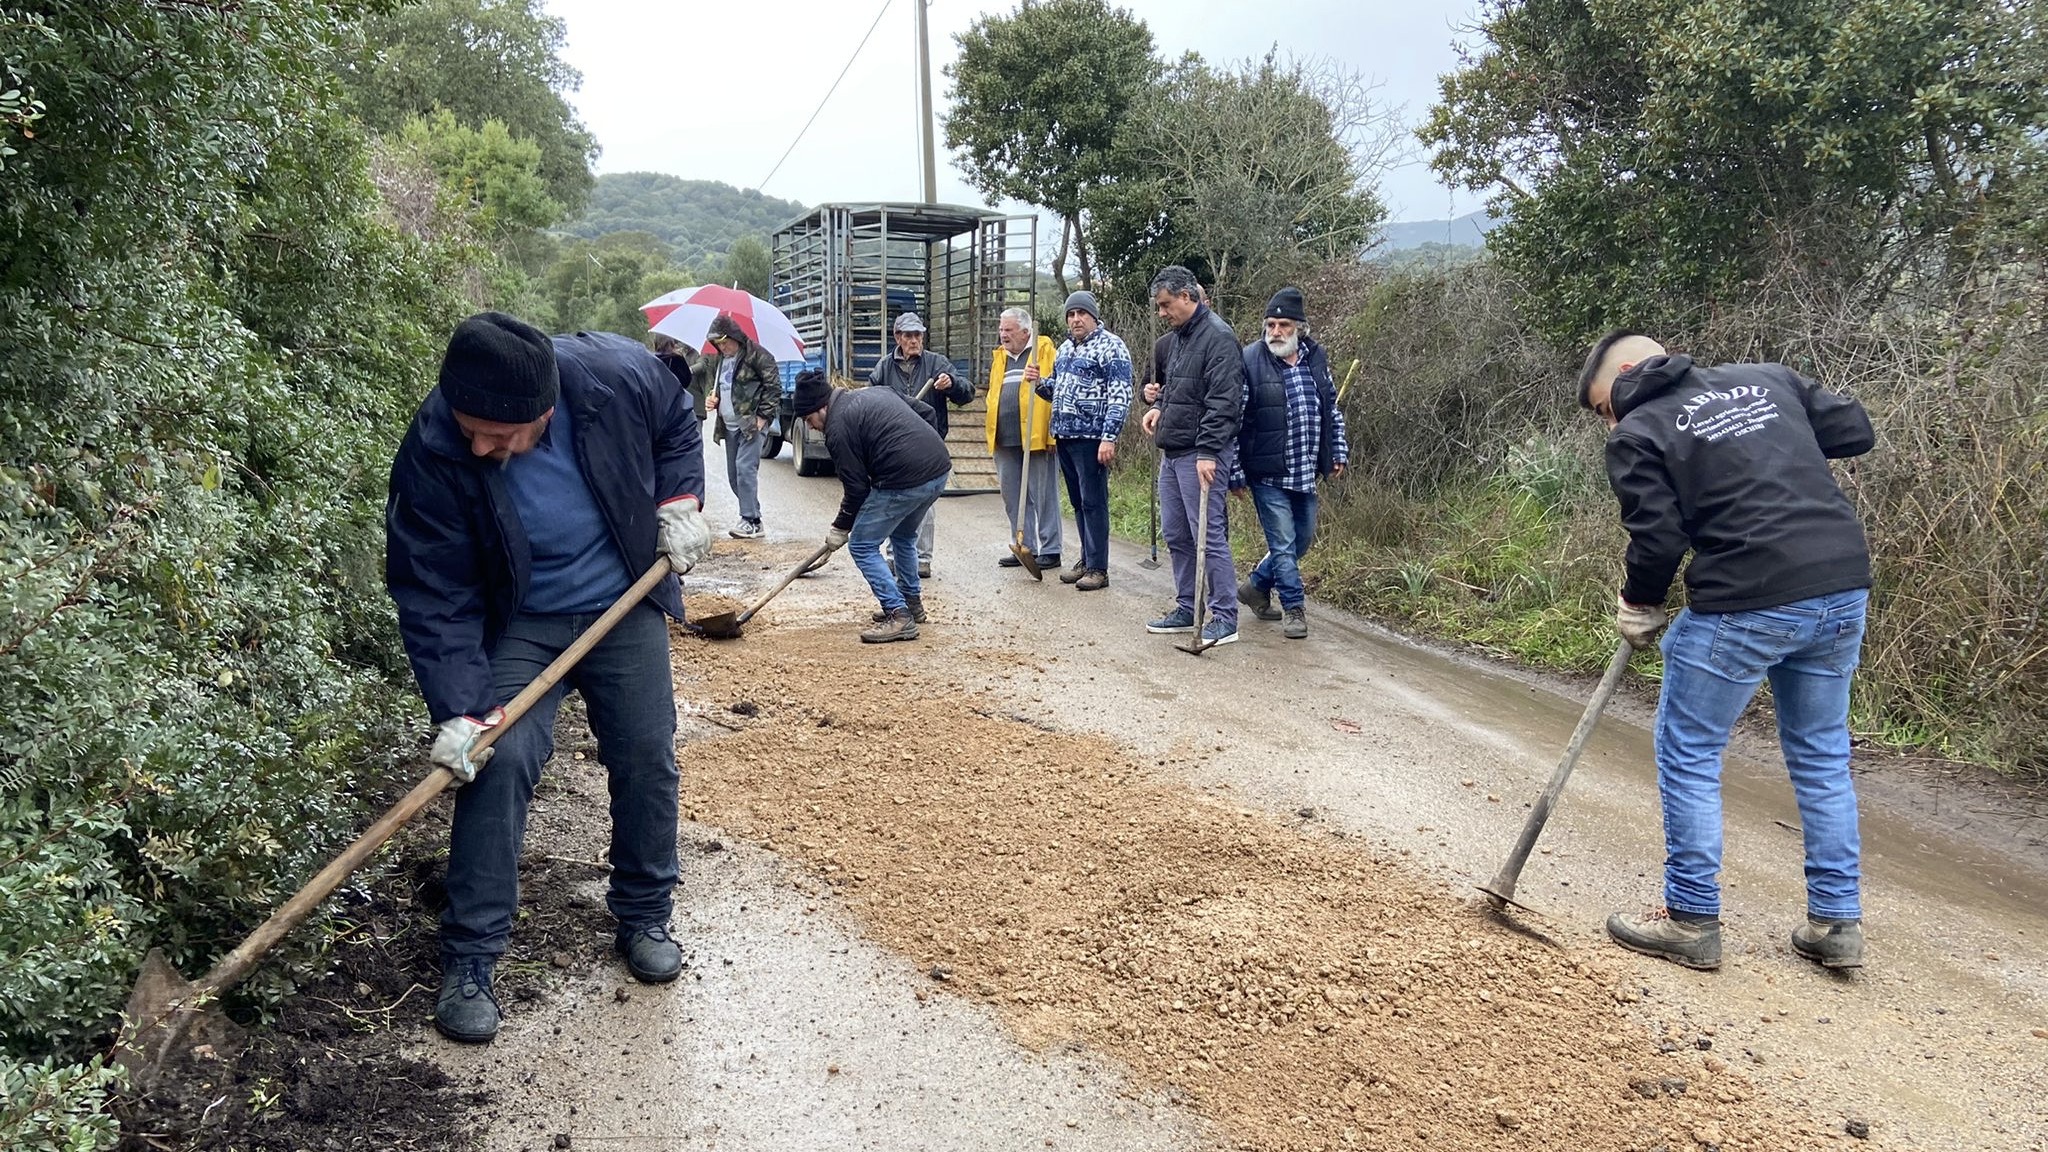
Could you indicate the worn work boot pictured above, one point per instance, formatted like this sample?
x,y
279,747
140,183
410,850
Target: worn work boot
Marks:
x,y
1830,943
1073,575
917,612
1093,580
1296,623
1259,600
466,1011
898,625
650,955
1693,943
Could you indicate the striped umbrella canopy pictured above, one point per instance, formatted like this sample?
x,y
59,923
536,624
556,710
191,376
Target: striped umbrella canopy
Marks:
x,y
686,315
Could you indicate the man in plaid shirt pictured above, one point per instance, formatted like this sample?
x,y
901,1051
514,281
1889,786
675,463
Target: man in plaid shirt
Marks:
x,y
1290,437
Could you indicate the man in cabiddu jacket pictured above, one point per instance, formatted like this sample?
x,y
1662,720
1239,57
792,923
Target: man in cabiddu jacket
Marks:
x,y
1731,463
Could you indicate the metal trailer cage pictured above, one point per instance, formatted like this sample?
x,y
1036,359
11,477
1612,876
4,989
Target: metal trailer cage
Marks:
x,y
843,272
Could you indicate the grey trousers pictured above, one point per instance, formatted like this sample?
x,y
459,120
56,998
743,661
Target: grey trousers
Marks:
x,y
1040,515
1187,525
743,470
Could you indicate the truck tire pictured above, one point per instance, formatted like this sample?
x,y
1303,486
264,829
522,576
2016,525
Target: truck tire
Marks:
x,y
771,447
809,460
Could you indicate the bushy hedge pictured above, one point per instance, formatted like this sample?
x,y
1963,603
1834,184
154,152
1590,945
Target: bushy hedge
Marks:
x,y
209,344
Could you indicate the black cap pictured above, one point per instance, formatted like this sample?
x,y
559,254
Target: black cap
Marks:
x,y
500,368
1286,304
813,392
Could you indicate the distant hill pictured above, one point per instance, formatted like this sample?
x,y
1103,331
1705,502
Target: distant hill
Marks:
x,y
1467,231
696,218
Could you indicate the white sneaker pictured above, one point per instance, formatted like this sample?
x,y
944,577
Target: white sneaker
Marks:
x,y
748,530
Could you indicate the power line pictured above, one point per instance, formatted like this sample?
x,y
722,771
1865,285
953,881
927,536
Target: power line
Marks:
x,y
763,185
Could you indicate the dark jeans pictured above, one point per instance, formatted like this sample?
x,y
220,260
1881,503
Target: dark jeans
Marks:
x,y
626,687
1088,491
1288,519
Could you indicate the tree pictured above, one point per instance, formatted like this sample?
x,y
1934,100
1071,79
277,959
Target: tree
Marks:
x,y
486,174
1037,98
1249,175
1652,157
598,285
481,60
747,266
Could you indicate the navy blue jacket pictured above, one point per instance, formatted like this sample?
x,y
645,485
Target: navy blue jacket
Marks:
x,y
1263,436
456,558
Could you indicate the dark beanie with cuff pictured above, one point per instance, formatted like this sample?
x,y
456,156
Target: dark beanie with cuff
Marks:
x,y
813,392
500,368
1287,304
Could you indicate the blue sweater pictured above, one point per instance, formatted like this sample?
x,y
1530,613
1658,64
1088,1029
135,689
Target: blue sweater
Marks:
x,y
576,566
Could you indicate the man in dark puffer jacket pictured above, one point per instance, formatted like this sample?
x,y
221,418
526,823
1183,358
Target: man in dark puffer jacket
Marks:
x,y
1731,463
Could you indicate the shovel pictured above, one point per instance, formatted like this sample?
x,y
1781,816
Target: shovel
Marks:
x,y
727,625
1501,892
1025,556
164,1007
1197,646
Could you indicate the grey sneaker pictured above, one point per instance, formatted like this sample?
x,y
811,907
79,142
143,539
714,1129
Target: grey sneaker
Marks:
x,y
1296,626
917,611
466,1011
650,955
1260,601
1073,575
1175,621
899,625
747,530
1695,944
1830,943
1093,580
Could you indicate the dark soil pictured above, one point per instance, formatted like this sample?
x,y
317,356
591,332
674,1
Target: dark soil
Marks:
x,y
330,1070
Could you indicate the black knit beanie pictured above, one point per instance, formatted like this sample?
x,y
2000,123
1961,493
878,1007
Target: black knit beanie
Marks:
x,y
813,392
1286,304
500,368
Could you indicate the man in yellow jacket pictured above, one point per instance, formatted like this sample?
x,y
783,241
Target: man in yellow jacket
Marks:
x,y
1020,430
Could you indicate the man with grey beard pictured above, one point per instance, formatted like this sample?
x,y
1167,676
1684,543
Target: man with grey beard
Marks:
x,y
1290,436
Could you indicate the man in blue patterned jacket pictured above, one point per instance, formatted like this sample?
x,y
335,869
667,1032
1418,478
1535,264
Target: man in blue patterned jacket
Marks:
x,y
1090,391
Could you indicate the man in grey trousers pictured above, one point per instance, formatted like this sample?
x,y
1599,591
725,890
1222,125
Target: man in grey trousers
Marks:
x,y
1194,423
1020,428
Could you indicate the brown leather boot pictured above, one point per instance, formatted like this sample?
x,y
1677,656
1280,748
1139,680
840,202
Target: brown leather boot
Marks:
x,y
900,625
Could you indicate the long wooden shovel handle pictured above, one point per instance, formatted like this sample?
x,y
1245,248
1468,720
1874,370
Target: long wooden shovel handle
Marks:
x,y
237,964
1197,646
788,578
1510,873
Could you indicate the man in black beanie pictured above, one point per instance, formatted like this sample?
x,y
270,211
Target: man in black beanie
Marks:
x,y
537,481
1289,438
892,466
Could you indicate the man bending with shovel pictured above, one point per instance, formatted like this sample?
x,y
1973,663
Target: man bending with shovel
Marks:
x,y
892,467
535,483
1731,463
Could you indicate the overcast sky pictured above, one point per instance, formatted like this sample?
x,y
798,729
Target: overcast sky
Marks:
x,y
719,91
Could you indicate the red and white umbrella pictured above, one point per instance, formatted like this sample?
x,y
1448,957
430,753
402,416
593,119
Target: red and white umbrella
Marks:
x,y
686,314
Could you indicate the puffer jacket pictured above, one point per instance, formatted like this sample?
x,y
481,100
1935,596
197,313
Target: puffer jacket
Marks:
x,y
1203,395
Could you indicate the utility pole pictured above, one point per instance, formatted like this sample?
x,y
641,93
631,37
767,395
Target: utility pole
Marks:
x,y
927,119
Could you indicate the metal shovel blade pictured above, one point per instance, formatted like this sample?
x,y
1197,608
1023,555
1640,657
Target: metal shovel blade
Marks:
x,y
723,626
1028,560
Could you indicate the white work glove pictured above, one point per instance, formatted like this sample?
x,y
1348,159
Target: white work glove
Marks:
x,y
452,744
1639,623
681,533
835,539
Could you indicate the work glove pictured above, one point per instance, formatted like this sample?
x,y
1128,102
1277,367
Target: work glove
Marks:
x,y
835,539
1639,623
681,533
456,738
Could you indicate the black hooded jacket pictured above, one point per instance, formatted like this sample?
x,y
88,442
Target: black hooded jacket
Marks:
x,y
1732,462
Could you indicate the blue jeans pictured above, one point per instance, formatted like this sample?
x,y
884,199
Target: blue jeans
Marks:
x,y
892,514
1289,521
626,687
1713,662
1088,491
